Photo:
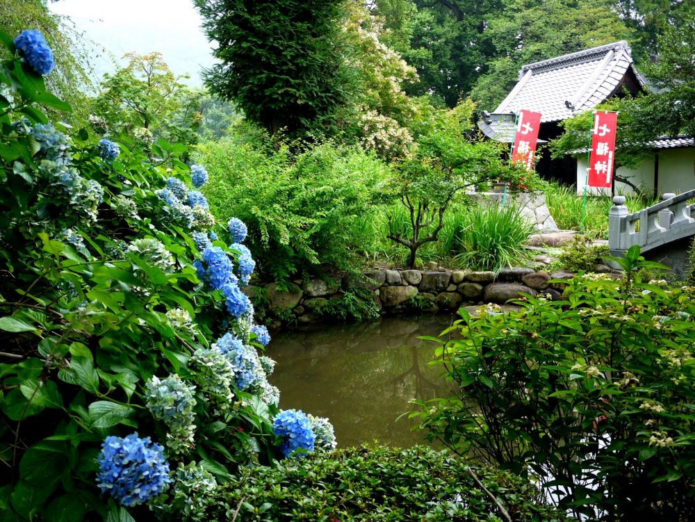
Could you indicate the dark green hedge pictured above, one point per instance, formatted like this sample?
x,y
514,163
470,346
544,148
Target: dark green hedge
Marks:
x,y
376,484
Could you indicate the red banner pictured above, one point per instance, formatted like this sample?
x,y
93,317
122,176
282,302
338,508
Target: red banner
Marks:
x,y
603,149
526,137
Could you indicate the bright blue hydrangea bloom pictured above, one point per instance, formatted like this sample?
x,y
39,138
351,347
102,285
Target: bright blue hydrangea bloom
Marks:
x,y
262,335
295,427
237,229
245,262
200,270
200,176
131,469
108,150
178,187
54,144
167,196
195,198
229,343
236,301
219,268
33,47
201,240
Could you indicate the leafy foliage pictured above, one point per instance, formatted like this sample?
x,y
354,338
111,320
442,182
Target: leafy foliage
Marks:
x,y
592,397
490,237
280,61
107,327
302,210
581,255
377,484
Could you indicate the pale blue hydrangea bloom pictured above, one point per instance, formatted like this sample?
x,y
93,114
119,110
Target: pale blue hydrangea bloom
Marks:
x,y
213,236
132,470
323,430
73,238
214,374
202,218
267,364
108,150
200,176
152,251
248,371
171,401
270,394
262,335
295,428
201,241
229,343
237,229
180,213
54,145
178,188
196,198
191,493
33,47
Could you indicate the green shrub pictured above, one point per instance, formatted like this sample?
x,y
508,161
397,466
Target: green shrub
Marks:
x,y
490,237
580,255
302,210
592,397
377,484
110,336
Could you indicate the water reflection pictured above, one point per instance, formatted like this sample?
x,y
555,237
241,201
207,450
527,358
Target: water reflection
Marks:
x,y
361,376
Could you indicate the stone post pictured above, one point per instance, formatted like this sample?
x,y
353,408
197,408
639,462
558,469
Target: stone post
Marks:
x,y
616,224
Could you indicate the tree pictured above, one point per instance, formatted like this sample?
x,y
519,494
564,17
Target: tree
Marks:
x,y
70,79
280,61
443,164
145,99
526,32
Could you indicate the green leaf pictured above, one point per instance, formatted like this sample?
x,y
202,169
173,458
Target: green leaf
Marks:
x,y
105,414
118,514
66,509
10,324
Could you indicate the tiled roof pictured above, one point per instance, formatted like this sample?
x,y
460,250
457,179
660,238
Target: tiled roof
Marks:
x,y
567,85
665,142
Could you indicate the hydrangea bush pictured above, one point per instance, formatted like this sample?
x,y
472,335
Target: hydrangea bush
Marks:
x,y
131,374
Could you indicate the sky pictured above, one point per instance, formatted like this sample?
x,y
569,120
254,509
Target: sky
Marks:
x,y
172,27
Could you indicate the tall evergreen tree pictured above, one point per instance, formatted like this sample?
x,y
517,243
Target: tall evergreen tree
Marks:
x,y
280,60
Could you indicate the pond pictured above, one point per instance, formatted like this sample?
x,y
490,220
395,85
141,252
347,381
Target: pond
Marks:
x,y
361,376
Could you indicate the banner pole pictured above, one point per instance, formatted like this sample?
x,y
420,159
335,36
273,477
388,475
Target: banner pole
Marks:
x,y
511,152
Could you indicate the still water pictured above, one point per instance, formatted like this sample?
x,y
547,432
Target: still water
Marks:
x,y
361,376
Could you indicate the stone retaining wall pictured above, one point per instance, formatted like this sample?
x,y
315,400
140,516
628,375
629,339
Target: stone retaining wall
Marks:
x,y
399,291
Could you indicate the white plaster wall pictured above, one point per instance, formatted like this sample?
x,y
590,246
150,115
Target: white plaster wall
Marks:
x,y
676,173
677,170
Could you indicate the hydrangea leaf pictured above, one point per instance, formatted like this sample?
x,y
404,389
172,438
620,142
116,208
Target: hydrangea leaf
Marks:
x,y
105,414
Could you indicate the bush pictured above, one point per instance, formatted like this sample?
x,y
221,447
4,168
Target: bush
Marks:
x,y
377,484
490,237
303,210
581,256
131,375
591,397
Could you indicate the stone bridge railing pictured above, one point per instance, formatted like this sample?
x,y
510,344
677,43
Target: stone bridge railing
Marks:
x,y
670,220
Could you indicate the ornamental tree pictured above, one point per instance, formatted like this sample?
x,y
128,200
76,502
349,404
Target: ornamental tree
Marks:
x,y
280,61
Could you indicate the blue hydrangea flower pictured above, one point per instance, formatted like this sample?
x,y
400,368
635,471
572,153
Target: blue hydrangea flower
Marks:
x,y
171,400
323,430
33,47
178,187
229,344
200,270
236,301
201,241
219,268
54,144
213,236
295,427
246,264
237,229
108,150
167,196
262,335
131,469
200,176
195,198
